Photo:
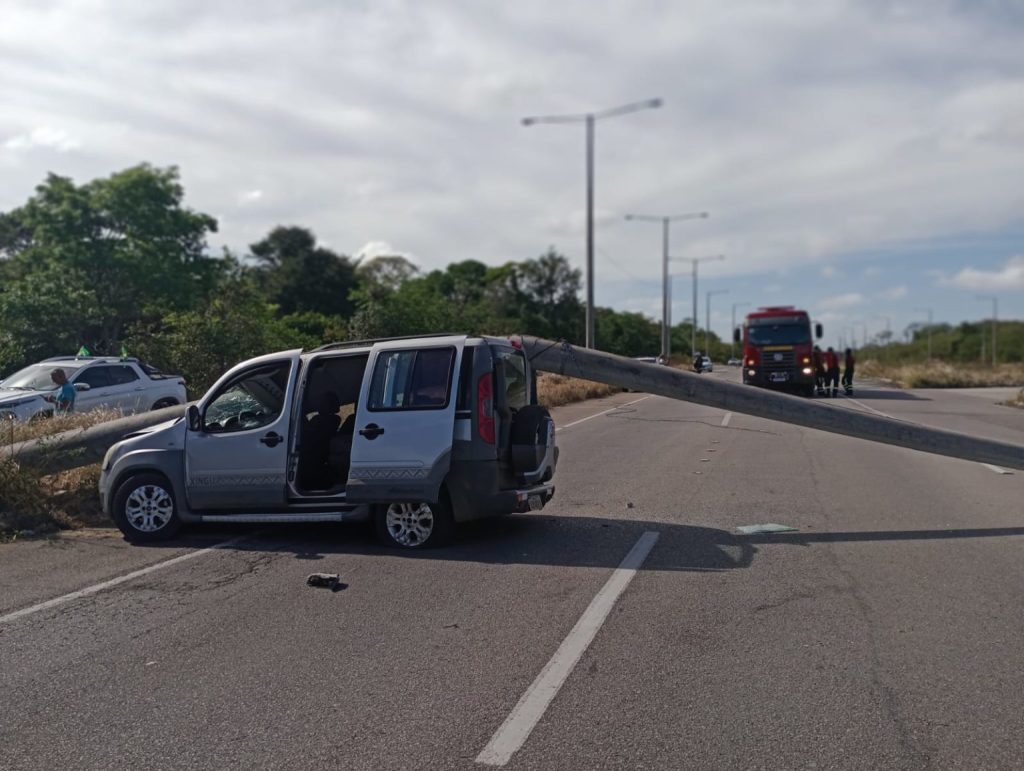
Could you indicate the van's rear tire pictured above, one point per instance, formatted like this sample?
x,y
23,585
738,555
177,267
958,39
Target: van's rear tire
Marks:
x,y
414,525
144,508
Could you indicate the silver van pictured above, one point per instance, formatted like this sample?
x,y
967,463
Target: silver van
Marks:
x,y
415,434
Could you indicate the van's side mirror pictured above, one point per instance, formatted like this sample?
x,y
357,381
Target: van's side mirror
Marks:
x,y
195,420
82,386
736,335
818,331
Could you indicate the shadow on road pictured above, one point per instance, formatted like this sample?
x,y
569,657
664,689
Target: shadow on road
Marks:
x,y
514,540
870,394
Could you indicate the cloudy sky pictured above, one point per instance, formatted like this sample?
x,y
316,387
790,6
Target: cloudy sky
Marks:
x,y
860,158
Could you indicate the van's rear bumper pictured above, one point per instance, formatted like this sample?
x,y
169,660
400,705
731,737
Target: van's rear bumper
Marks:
x,y
476,492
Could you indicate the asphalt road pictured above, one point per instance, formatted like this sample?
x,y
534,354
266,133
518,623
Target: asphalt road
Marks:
x,y
886,631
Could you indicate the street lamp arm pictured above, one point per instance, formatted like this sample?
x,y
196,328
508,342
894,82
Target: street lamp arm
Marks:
x,y
647,104
700,215
535,119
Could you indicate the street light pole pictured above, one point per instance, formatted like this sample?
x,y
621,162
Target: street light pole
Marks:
x,y
666,340
590,119
732,330
995,316
929,312
694,261
707,327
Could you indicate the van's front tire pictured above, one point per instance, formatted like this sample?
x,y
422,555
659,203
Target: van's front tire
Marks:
x,y
414,525
144,508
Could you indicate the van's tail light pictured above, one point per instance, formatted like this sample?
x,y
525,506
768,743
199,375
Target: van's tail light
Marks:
x,y
485,408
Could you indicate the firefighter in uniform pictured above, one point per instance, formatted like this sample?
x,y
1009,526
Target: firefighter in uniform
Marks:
x,y
831,371
848,372
819,372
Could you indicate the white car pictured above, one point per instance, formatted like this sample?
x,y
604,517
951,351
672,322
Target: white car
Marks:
x,y
100,381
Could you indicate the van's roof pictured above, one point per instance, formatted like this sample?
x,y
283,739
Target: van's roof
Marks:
x,y
367,344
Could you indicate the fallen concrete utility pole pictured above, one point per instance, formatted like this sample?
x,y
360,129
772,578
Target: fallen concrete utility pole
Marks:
x,y
565,359
84,446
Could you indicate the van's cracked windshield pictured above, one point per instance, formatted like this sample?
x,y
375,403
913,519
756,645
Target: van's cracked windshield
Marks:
x,y
571,386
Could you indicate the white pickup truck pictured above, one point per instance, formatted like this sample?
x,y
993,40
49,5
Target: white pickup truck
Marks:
x,y
107,382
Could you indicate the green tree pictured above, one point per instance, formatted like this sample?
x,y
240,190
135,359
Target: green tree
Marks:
x,y
299,276
83,263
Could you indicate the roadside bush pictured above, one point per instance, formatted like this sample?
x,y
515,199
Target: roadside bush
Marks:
x,y
939,374
556,390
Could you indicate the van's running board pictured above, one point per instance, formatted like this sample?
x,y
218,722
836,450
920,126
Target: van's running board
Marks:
x,y
335,516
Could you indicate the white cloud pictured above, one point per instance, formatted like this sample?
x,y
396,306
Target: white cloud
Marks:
x,y
43,137
895,293
831,272
372,249
840,301
871,271
1009,277
249,196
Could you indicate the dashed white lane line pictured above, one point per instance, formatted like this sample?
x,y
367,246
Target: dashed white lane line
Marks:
x,y
599,414
997,469
869,408
726,418
64,598
531,707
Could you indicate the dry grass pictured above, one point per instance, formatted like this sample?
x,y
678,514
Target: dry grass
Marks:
x,y
13,431
556,390
1017,401
60,501
938,374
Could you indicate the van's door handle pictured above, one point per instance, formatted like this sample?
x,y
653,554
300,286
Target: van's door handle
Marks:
x,y
272,439
372,431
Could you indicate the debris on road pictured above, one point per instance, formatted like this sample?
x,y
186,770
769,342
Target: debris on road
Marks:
x,y
330,581
769,527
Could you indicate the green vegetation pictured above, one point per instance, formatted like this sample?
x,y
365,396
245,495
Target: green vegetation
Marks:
x,y
966,343
122,261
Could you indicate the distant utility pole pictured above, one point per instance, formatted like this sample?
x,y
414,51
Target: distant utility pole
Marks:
x,y
666,340
694,261
995,318
929,312
707,328
732,330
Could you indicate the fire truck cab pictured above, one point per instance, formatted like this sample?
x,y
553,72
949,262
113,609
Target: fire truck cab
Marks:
x,y
778,350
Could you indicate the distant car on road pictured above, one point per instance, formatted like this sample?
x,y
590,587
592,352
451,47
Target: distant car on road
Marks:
x,y
706,365
110,382
650,359
734,362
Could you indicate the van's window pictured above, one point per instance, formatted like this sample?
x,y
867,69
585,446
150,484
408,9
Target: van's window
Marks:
x,y
517,387
95,377
252,400
412,380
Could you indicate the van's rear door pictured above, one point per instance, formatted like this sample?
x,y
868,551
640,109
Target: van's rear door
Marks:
x,y
405,421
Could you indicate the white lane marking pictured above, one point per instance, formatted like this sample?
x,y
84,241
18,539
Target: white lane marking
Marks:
x,y
534,702
591,417
997,469
726,418
869,408
115,581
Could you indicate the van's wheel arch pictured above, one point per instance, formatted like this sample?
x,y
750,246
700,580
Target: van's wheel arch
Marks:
x,y
420,525
144,508
169,401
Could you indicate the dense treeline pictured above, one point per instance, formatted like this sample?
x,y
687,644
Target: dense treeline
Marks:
x,y
967,343
122,264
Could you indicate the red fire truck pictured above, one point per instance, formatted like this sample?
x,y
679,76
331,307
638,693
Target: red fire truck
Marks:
x,y
778,349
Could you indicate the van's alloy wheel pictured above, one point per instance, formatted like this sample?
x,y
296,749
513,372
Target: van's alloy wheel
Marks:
x,y
415,525
149,508
410,524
